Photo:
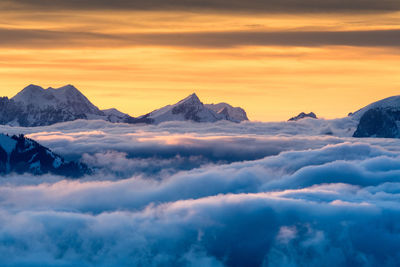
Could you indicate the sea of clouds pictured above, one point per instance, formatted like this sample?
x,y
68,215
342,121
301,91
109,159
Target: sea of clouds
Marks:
x,y
184,194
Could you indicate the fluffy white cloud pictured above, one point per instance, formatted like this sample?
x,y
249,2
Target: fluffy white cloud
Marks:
x,y
215,195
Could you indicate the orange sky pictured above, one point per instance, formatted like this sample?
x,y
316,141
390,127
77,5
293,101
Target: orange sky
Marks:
x,y
272,65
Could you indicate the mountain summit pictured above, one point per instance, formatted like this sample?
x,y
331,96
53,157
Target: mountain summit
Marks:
x,y
192,109
303,115
67,98
36,106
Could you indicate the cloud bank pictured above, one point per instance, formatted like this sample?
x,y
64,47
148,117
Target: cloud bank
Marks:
x,y
270,6
298,200
39,38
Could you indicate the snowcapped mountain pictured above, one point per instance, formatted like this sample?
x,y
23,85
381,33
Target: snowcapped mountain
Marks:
x,y
390,103
235,114
36,106
379,119
303,115
23,155
192,109
67,98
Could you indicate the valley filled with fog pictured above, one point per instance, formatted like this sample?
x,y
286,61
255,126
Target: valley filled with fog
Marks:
x,y
208,194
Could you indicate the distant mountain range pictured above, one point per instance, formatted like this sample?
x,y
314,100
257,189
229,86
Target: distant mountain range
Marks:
x,y
36,106
19,154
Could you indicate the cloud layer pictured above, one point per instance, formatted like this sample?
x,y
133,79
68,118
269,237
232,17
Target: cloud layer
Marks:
x,y
270,6
34,38
297,200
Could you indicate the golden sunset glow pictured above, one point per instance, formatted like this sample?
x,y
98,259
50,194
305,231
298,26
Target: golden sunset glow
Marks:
x,y
273,65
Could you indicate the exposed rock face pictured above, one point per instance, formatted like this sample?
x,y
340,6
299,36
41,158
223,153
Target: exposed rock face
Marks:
x,y
23,155
379,119
379,122
303,115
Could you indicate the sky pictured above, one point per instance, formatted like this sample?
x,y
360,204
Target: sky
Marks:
x,y
273,58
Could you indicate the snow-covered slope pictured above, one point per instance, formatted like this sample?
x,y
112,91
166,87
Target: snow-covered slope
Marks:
x,y
235,114
36,106
23,155
190,108
114,115
392,103
67,97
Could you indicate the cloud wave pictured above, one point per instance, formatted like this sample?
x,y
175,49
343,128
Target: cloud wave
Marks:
x,y
306,200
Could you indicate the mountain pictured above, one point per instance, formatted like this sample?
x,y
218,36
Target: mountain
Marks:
x,y
19,154
235,114
379,119
36,106
379,122
114,115
192,109
390,103
67,98
303,115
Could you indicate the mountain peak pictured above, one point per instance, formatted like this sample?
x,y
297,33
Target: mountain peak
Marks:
x,y
68,87
193,98
66,102
304,115
32,88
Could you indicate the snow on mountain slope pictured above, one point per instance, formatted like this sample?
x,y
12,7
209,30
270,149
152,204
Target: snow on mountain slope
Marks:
x,y
23,155
235,114
67,97
36,106
392,102
190,108
114,115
